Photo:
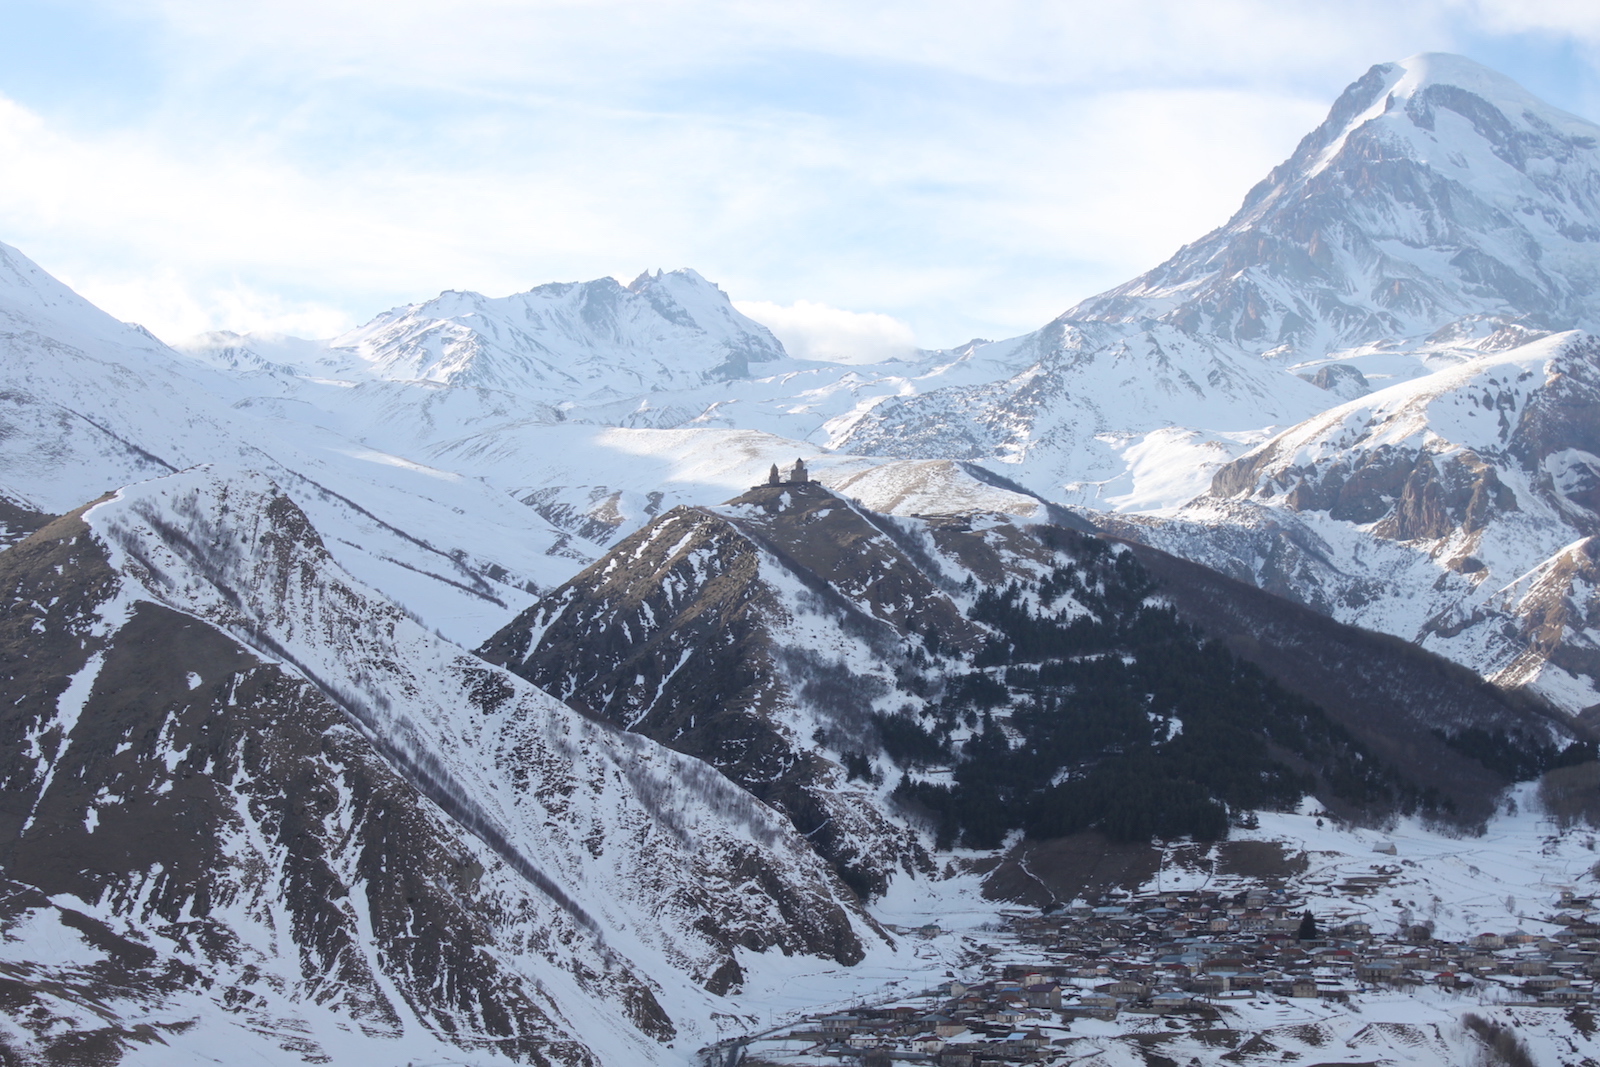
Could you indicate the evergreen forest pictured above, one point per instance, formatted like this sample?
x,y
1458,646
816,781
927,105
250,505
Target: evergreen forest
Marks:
x,y
1093,706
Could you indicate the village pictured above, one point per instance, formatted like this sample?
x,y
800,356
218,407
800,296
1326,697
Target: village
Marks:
x,y
1181,961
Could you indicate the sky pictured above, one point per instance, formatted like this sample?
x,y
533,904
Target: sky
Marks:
x,y
861,177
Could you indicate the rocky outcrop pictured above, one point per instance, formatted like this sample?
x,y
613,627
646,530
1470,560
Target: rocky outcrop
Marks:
x,y
1341,379
1406,495
1482,483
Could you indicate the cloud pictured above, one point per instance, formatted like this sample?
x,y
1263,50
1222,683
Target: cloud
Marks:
x,y
509,44
174,307
964,169
817,331
984,227
1574,18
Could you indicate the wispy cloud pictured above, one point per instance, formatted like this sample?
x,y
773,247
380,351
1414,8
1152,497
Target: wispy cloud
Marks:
x,y
965,169
1569,18
816,331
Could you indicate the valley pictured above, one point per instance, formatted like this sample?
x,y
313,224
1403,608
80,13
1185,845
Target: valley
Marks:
x,y
576,677
1424,952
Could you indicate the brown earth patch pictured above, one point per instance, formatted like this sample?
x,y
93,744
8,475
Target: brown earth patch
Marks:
x,y
1055,871
1267,860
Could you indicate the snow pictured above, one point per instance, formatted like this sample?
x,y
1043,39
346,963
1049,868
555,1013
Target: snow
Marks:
x,y
1163,470
530,778
69,706
459,456
1459,883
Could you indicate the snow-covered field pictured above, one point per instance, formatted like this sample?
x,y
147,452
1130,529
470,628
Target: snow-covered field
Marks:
x,y
1511,879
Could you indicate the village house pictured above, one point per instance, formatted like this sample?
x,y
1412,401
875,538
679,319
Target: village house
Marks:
x,y
1144,955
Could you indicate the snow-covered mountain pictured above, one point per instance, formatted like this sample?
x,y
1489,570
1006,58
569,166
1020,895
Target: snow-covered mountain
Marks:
x,y
1437,196
90,404
1457,510
309,823
1439,212
247,741
566,342
1078,410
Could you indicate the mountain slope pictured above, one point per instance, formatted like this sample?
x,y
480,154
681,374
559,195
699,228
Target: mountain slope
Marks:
x,y
1438,194
852,669
1456,510
1078,402
702,632
267,781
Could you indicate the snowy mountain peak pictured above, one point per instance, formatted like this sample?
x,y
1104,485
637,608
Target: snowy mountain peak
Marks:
x,y
1427,71
1412,95
270,352
1436,190
644,280
569,340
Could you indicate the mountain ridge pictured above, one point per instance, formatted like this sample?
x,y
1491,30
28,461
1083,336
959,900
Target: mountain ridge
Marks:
x,y
1385,132
431,764
657,332
1352,404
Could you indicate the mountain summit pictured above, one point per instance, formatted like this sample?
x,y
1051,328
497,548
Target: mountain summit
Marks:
x,y
1439,213
570,339
1438,194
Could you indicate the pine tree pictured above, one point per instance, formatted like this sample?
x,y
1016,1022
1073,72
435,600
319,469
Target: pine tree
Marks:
x,y
1308,928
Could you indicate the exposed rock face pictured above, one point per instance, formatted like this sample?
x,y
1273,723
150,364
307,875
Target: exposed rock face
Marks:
x,y
1405,494
1341,379
1483,477
376,835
